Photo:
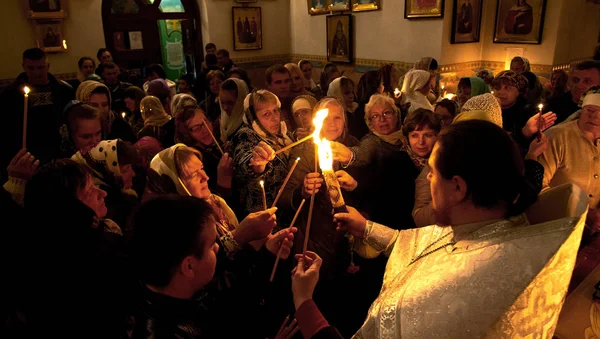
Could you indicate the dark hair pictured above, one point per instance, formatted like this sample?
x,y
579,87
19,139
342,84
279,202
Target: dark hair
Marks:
x,y
385,73
156,252
215,73
277,68
182,133
433,65
210,45
102,90
304,62
109,65
156,68
34,54
242,73
189,78
488,160
211,60
532,79
58,179
101,51
127,154
81,111
449,105
589,64
419,119
367,86
223,52
229,85
327,70
464,82
597,53
84,59
134,93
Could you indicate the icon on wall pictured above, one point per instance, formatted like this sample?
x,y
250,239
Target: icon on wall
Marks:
x,y
520,21
466,21
49,35
318,6
46,9
365,5
417,9
247,28
339,38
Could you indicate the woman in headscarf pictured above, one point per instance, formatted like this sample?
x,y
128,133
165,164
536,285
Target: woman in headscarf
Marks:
x,y
160,89
132,97
181,101
246,248
157,123
520,64
416,87
337,273
194,130
306,67
302,112
430,65
231,98
446,110
240,73
254,147
481,107
82,128
97,95
111,165
469,87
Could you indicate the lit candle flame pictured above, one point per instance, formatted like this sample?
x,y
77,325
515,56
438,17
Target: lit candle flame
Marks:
x,y
65,44
450,96
123,114
396,91
492,92
540,106
442,87
262,183
324,146
298,159
26,90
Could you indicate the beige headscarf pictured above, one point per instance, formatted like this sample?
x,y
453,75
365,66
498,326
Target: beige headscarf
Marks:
x,y
335,90
83,94
414,80
481,107
181,101
153,111
277,141
423,64
231,123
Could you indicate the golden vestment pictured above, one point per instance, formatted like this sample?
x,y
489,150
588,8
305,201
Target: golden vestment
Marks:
x,y
495,279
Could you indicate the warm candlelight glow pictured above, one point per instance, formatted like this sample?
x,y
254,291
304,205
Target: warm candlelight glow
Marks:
x,y
450,96
264,196
65,44
123,114
540,106
397,91
492,92
26,90
442,87
324,146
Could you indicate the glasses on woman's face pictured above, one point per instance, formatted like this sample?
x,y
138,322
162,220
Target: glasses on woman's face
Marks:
x,y
197,128
385,115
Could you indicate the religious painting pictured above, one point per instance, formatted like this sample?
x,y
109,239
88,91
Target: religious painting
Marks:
x,y
417,9
339,5
365,5
318,6
49,35
519,21
46,9
247,28
339,38
466,21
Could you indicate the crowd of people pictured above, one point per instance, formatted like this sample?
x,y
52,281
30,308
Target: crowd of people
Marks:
x,y
146,209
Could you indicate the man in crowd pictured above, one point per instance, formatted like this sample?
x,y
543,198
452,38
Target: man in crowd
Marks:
x,y
110,74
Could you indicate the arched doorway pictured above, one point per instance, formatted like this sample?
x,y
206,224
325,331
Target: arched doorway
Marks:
x,y
142,32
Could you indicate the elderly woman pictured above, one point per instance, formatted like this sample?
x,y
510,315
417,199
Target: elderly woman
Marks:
x,y
244,247
157,123
383,163
194,130
302,112
254,147
482,107
421,128
417,85
231,98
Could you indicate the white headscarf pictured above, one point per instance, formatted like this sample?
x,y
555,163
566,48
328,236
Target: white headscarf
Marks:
x,y
335,90
231,123
414,80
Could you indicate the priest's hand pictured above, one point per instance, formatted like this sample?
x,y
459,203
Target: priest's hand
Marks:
x,y
531,127
347,182
340,152
305,277
283,239
352,222
255,226
261,155
312,181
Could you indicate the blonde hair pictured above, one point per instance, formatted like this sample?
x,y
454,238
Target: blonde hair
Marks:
x,y
380,100
292,67
264,97
327,101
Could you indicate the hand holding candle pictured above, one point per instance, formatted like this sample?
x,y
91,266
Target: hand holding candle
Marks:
x,y
261,155
25,109
281,247
264,196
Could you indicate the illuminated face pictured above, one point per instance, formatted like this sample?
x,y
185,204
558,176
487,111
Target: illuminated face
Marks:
x,y
303,118
422,141
93,197
582,81
383,119
88,133
280,84
100,101
197,126
506,95
194,177
333,125
464,94
227,99
269,116
589,121
88,67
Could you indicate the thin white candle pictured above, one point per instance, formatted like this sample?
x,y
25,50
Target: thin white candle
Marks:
x,y
25,108
285,182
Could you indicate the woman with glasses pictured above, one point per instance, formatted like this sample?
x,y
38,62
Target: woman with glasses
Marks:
x,y
193,129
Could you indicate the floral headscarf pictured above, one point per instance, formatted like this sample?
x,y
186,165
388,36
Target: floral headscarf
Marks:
x,y
525,61
481,107
514,79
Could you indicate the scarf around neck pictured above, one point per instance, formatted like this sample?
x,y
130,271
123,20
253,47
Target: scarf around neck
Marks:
x,y
394,138
276,141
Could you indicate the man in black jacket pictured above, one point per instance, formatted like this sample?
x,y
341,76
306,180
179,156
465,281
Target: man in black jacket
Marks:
x,y
46,101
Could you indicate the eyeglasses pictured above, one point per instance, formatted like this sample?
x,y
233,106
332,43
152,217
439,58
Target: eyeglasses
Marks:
x,y
385,115
197,128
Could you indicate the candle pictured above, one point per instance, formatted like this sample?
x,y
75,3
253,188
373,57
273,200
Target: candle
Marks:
x,y
25,108
123,114
285,182
293,144
396,92
264,196
214,139
335,192
540,122
281,247
492,92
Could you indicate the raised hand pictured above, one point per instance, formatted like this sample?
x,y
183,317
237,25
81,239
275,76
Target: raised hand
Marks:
x,y
352,222
283,239
305,277
22,165
256,226
346,181
261,155
225,171
312,181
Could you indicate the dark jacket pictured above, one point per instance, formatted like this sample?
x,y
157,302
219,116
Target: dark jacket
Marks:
x,y
44,118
